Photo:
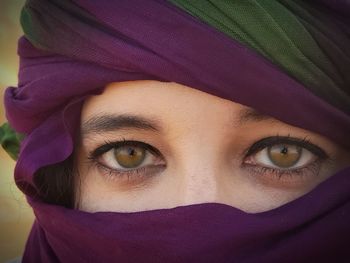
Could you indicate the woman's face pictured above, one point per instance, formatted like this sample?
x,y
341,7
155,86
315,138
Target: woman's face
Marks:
x,y
148,145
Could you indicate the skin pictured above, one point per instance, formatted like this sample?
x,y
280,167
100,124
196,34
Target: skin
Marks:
x,y
203,148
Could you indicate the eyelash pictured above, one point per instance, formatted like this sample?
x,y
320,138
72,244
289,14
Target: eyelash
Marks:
x,y
255,148
304,143
300,172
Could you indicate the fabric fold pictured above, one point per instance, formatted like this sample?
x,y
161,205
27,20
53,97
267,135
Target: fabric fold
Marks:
x,y
72,49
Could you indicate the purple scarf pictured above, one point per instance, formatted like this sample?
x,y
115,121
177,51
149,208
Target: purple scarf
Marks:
x,y
133,41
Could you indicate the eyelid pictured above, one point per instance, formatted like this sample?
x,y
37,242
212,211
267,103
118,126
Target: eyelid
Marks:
x,y
108,145
137,174
275,140
288,176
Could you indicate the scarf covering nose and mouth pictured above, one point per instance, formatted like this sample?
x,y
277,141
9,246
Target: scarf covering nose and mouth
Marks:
x,y
287,59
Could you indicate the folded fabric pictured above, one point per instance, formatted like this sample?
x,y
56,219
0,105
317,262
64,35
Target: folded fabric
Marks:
x,y
287,59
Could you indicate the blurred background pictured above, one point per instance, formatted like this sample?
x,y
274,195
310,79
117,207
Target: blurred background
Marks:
x,y
16,216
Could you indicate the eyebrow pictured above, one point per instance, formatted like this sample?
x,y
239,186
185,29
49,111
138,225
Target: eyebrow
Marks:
x,y
252,115
111,122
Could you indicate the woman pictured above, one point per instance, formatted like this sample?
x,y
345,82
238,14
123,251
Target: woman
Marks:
x,y
183,131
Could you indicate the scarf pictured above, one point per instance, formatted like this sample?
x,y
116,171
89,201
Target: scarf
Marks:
x,y
257,53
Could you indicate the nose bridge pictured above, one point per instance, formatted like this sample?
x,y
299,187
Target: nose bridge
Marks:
x,y
199,185
199,169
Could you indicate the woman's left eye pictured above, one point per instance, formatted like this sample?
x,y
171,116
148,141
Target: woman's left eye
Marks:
x,y
283,156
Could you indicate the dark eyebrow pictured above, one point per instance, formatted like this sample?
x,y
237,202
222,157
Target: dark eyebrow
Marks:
x,y
251,115
108,122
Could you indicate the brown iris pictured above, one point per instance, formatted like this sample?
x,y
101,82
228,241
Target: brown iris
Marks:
x,y
283,155
129,156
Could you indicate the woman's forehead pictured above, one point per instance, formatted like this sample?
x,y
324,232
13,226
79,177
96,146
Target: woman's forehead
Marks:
x,y
166,100
162,107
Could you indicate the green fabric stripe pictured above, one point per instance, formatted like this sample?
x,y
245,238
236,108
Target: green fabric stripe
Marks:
x,y
10,140
28,25
278,30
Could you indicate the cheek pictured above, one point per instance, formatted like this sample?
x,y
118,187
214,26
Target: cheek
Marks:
x,y
253,194
242,191
100,192
86,194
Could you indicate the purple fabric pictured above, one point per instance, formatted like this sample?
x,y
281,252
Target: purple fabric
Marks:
x,y
341,7
301,231
158,41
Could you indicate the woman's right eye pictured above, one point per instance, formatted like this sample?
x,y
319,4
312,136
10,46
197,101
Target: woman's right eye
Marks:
x,y
128,158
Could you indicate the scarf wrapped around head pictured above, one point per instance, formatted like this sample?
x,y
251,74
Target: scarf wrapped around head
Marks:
x,y
288,59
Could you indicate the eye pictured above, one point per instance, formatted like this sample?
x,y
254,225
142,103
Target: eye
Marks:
x,y
127,157
284,155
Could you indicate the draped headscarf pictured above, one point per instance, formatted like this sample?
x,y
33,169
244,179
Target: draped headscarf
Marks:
x,y
288,59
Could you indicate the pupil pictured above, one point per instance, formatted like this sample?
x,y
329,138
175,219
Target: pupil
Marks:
x,y
284,150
